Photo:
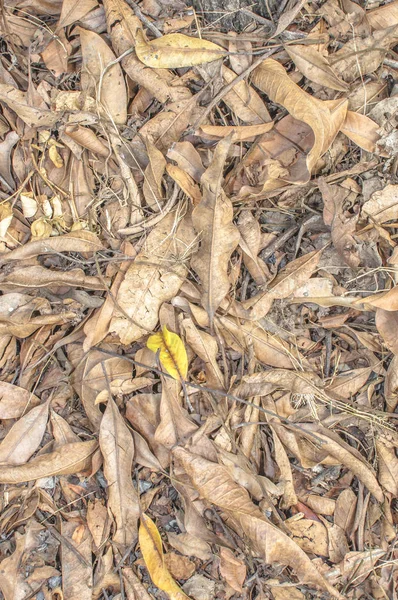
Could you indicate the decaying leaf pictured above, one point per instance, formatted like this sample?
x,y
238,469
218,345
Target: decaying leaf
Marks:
x,y
212,219
117,449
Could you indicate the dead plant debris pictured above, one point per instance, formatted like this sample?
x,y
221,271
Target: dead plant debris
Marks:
x,y
199,300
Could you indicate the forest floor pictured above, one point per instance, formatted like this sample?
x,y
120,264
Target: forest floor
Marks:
x,y
199,301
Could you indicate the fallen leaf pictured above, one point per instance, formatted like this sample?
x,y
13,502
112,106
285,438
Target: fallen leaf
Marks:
x,y
215,485
152,188
67,460
152,552
24,437
76,548
19,102
205,346
232,569
386,323
382,206
315,66
240,133
361,130
387,466
311,536
383,16
212,219
76,241
272,79
172,353
189,545
73,11
15,401
244,101
102,77
176,50
117,449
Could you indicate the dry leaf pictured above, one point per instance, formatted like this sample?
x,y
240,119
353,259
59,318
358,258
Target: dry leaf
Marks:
x,y
215,485
361,130
76,574
152,552
73,11
19,102
212,219
155,277
382,206
176,50
232,569
205,346
152,188
103,82
315,66
272,79
67,460
244,101
239,134
15,401
387,466
76,241
117,449
24,437
311,536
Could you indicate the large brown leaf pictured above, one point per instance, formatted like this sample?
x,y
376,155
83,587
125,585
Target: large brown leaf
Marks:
x,y
212,219
272,79
117,449
24,437
67,460
214,483
14,400
76,241
155,277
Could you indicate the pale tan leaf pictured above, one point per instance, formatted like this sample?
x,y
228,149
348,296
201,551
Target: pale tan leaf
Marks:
x,y
24,437
348,384
152,188
15,401
385,300
361,130
383,16
382,206
250,242
117,449
244,101
387,466
98,522
39,277
186,183
19,102
232,569
74,10
102,78
190,545
387,323
62,431
212,219
188,159
76,569
206,347
67,460
76,241
311,536
176,50
240,133
174,427
155,277
361,56
272,79
293,276
344,512
315,66
289,497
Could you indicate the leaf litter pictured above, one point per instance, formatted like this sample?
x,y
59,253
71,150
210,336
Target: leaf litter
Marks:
x,y
198,276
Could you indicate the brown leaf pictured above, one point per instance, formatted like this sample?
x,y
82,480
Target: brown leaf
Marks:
x,y
232,569
73,10
186,183
361,130
155,277
40,277
272,79
382,206
76,565
76,241
174,427
359,57
15,401
205,346
387,323
244,101
383,16
24,437
117,449
294,275
348,384
67,460
152,187
387,466
212,219
190,545
19,102
176,50
103,82
311,536
315,66
215,485
240,133
188,159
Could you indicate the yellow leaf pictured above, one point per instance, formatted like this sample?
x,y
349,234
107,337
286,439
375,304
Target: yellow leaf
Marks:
x,y
152,552
173,355
176,50
55,157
